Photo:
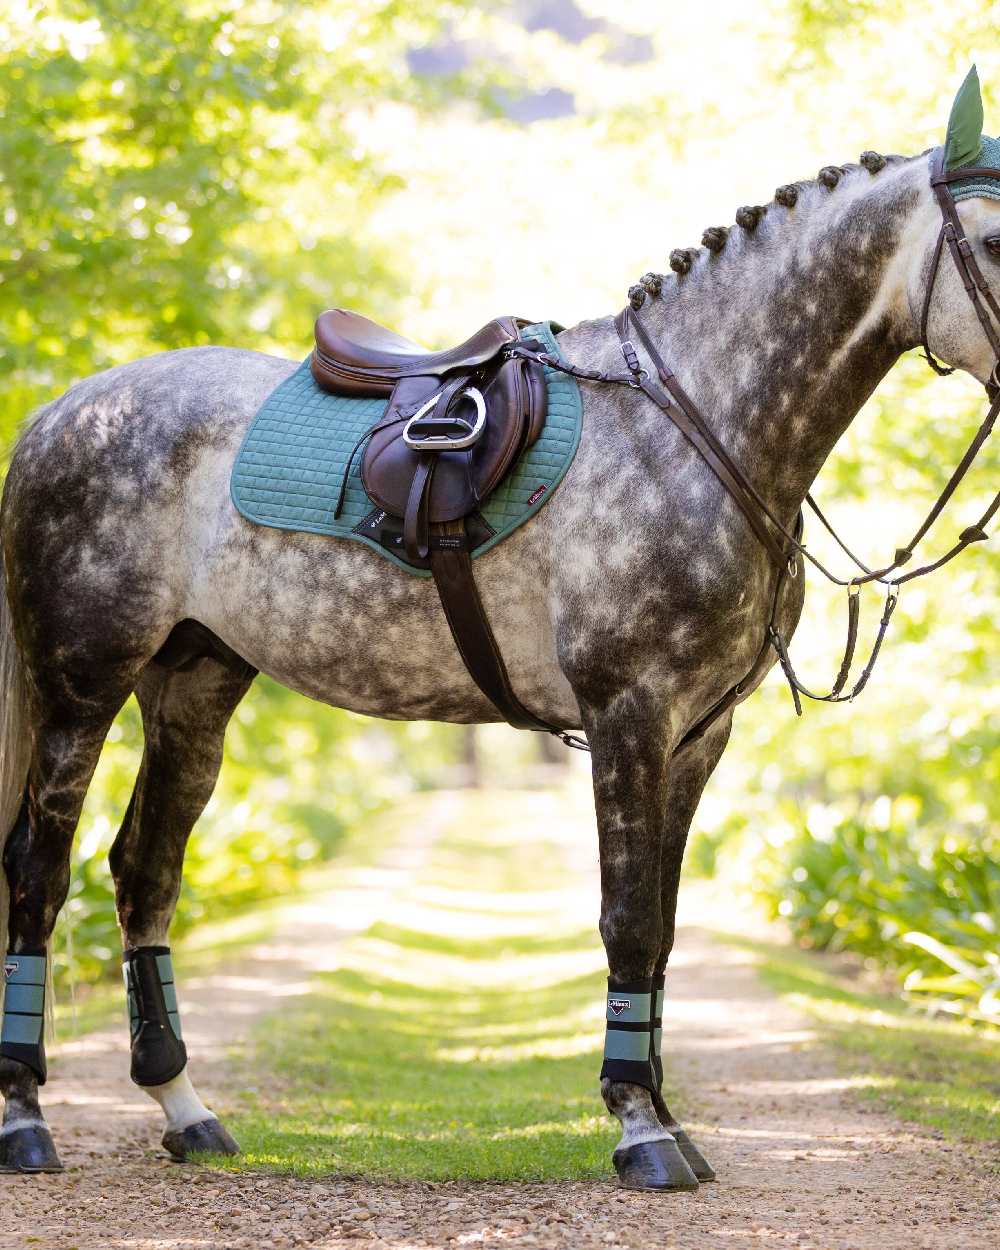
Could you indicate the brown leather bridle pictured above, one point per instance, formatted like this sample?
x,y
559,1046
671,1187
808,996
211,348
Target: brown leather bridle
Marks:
x,y
785,547
976,286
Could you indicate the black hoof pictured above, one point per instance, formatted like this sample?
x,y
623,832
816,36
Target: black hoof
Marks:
x,y
696,1161
206,1138
654,1165
29,1149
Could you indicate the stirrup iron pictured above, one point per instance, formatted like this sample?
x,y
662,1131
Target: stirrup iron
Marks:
x,y
465,433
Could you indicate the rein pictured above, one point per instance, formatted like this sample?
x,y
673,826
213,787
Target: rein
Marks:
x,y
784,547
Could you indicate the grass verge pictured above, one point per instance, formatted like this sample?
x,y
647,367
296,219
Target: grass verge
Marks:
x,y
463,1039
84,1007
943,1074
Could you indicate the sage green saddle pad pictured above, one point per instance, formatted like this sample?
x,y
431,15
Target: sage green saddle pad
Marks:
x,y
289,470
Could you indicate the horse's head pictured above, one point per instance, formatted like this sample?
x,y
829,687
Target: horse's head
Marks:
x,y
953,281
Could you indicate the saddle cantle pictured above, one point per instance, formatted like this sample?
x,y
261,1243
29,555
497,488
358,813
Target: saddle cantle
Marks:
x,y
355,356
455,424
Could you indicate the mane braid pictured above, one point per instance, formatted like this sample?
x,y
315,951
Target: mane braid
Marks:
x,y
749,217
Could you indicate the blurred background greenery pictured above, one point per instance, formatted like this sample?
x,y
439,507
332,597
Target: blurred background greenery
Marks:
x,y
190,172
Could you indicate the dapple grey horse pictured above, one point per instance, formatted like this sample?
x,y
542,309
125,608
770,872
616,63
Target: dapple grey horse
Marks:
x,y
627,607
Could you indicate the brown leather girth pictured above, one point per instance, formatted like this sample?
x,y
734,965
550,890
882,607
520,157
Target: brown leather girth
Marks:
x,y
470,627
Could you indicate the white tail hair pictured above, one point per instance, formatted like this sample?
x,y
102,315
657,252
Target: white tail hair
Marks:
x,y
15,744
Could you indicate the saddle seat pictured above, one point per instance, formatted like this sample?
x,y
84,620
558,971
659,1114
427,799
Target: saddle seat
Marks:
x,y
356,356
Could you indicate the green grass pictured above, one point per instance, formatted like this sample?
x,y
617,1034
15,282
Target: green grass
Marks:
x,y
461,1035
83,1006
463,1041
944,1074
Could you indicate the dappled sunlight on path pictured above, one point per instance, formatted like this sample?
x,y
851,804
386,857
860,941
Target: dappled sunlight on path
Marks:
x,y
803,1162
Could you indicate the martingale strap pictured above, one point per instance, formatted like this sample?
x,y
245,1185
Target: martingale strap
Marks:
x,y
784,547
158,1050
634,1033
22,1034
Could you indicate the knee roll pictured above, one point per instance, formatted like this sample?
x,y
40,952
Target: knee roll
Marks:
x,y
158,1051
634,1033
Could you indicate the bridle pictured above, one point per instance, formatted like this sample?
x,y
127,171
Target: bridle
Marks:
x,y
785,548
976,286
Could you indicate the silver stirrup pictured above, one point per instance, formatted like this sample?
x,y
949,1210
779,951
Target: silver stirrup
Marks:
x,y
445,442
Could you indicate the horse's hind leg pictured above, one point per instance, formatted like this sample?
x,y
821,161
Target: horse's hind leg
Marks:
x,y
68,735
185,712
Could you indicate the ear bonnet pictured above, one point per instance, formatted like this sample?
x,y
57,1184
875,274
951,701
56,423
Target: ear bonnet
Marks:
x,y
965,143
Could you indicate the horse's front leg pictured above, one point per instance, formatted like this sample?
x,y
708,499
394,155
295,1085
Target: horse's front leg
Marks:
x,y
690,770
184,715
630,743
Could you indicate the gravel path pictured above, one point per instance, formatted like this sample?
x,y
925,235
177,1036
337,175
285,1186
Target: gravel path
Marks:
x,y
803,1162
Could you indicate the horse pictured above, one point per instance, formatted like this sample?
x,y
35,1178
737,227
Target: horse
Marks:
x,y
627,608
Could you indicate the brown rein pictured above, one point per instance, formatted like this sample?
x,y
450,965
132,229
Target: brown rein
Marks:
x,y
784,547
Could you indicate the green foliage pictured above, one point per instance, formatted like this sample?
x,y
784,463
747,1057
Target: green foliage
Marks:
x,y
178,174
867,885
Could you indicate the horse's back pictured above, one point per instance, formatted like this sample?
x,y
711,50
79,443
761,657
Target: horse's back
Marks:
x,y
118,513
135,422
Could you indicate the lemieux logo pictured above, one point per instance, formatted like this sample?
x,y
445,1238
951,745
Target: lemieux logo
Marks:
x,y
9,969
618,1005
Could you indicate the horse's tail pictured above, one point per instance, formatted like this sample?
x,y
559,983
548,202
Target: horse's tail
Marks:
x,y
15,743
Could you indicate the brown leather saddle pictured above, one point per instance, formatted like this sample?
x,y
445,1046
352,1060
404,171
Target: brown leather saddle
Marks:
x,y
454,426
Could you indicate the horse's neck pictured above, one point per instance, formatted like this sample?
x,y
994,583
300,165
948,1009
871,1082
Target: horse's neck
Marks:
x,y
782,337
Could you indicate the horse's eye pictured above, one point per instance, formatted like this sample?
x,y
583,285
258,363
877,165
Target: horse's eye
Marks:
x,y
993,244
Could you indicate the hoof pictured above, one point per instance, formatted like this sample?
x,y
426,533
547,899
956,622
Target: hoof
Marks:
x,y
29,1149
696,1161
206,1138
654,1165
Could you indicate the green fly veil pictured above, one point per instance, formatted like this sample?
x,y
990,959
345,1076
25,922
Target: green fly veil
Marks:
x,y
966,145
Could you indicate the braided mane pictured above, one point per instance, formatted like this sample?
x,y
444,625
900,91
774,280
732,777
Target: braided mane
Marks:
x,y
748,218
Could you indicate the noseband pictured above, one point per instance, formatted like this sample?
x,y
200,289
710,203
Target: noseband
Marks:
x,y
784,547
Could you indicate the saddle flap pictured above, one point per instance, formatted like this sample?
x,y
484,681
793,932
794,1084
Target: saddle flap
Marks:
x,y
515,412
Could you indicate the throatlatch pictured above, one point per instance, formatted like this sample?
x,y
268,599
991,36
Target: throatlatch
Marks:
x,y
22,1035
158,1051
634,1033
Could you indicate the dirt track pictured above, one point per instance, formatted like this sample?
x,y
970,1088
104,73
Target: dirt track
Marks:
x,y
802,1162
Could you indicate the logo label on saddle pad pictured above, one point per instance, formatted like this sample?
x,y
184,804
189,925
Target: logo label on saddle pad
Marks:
x,y
618,1005
9,969
536,495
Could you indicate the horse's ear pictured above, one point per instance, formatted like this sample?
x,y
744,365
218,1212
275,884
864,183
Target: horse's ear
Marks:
x,y
965,125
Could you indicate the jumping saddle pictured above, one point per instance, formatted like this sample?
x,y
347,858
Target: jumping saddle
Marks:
x,y
455,424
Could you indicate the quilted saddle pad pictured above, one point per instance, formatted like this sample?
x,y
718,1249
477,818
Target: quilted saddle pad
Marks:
x,y
289,469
